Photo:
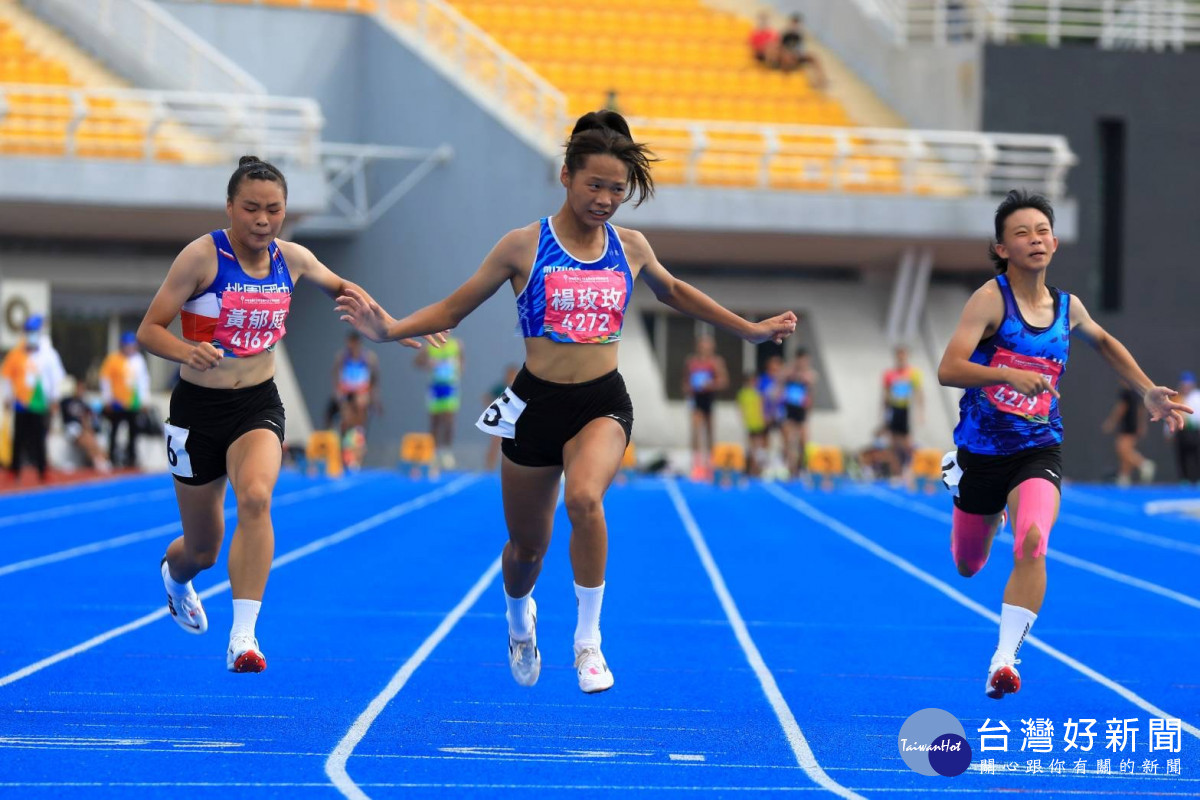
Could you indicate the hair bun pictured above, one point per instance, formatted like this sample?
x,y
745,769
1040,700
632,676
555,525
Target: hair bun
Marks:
x,y
245,161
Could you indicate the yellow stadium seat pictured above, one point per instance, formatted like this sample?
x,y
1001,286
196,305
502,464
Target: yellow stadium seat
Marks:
x,y
729,456
417,449
927,463
826,461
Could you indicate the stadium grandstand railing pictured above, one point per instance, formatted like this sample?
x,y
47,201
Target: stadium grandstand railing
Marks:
x,y
157,48
884,161
191,127
1109,24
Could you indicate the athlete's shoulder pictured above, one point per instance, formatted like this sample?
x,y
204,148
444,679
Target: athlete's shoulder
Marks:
x,y
295,252
634,243
200,251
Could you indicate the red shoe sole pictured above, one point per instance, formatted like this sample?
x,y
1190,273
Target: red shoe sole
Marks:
x,y
250,661
1005,681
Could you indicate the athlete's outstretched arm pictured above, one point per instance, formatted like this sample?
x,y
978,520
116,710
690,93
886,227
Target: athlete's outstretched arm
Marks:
x,y
187,276
1157,398
306,265
981,318
371,320
687,299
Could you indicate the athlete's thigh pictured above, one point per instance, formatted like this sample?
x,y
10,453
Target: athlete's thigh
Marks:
x,y
530,497
593,456
253,461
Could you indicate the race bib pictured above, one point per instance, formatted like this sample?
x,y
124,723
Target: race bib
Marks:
x,y
1008,399
952,473
500,418
585,306
177,454
251,322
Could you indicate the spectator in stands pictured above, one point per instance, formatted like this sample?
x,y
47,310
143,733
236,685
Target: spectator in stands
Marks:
x,y
750,403
1129,424
125,389
1187,440
232,291
445,365
81,424
902,395
797,400
793,55
764,42
32,373
704,375
356,384
568,413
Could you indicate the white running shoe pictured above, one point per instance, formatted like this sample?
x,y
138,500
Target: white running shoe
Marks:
x,y
524,659
243,655
1003,677
186,608
1146,470
594,675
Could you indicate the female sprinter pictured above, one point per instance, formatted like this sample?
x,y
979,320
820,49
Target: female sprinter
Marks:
x,y
567,410
1009,352
232,290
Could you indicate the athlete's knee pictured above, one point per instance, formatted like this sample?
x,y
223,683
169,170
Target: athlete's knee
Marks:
x,y
203,557
1035,515
526,553
254,499
583,504
969,542
1031,545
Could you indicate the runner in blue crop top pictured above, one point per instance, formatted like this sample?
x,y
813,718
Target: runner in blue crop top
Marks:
x,y
568,408
1009,351
232,289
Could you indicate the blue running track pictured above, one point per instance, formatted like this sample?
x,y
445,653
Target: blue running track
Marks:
x,y
767,640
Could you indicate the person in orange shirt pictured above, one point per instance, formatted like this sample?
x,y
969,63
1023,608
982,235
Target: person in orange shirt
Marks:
x,y
32,373
125,387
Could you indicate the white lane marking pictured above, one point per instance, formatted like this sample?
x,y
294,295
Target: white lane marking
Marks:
x,y
848,533
1132,534
1052,555
153,533
335,765
78,508
320,544
787,720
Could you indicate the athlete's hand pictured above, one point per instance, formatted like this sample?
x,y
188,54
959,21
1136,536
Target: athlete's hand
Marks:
x,y
434,339
775,329
1029,383
1158,401
204,356
366,316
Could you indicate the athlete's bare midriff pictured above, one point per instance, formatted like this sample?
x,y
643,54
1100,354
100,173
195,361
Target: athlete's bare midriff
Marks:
x,y
564,362
233,373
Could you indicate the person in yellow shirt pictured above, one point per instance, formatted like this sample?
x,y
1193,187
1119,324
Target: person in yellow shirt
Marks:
x,y
125,387
31,374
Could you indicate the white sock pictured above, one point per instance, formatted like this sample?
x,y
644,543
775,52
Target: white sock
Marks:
x,y
174,588
587,629
1015,623
245,614
520,625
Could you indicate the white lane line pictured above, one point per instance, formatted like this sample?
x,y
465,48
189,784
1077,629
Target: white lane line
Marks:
x,y
162,530
869,545
787,720
79,508
1052,555
335,765
1132,534
320,544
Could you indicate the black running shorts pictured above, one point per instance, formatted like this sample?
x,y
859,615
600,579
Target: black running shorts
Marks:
x,y
212,420
987,480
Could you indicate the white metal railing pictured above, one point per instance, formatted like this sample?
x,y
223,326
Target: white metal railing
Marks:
x,y
864,160
191,127
509,88
1110,24
140,37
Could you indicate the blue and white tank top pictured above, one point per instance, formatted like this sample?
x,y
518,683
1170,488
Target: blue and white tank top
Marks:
x,y
568,300
997,420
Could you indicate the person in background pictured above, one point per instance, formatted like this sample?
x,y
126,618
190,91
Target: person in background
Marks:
x,y
356,387
793,55
750,403
901,395
445,365
124,388
32,374
764,42
1187,440
1129,425
705,374
81,424
797,400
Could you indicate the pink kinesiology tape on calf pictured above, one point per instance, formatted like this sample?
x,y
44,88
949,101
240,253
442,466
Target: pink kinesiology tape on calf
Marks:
x,y
968,540
1037,500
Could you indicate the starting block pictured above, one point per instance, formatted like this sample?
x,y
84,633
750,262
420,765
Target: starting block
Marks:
x,y
324,449
728,462
826,461
927,467
418,451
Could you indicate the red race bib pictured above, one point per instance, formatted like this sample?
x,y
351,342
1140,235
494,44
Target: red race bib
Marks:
x,y
585,306
251,322
1008,399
